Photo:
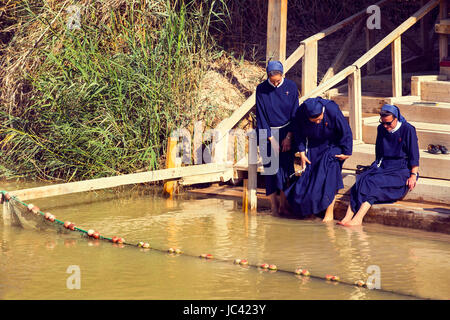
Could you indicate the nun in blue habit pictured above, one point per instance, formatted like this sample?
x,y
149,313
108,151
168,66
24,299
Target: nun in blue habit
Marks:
x,y
276,104
394,171
324,141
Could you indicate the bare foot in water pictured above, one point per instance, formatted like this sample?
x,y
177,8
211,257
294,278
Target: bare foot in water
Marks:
x,y
352,223
344,221
328,219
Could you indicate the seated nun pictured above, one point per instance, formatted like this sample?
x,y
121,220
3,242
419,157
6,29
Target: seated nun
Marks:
x,y
394,171
276,104
324,141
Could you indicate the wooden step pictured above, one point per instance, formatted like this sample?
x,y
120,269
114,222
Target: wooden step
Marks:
x,y
438,91
428,133
436,166
420,111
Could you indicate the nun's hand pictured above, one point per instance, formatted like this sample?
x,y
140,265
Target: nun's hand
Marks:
x,y
303,160
342,156
286,144
411,182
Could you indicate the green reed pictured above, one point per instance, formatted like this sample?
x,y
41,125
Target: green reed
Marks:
x,y
106,97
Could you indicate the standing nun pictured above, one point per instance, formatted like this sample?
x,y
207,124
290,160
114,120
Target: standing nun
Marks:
x,y
324,141
276,104
395,170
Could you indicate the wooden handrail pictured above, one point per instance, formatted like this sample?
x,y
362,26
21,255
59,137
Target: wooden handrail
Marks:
x,y
338,26
358,64
343,53
294,58
238,114
329,83
408,23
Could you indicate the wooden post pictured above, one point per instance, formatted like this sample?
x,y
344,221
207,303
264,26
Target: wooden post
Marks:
x,y
355,103
309,67
370,41
169,186
424,31
443,38
252,170
276,30
396,56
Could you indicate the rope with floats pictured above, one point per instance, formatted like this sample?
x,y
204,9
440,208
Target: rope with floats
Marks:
x,y
91,233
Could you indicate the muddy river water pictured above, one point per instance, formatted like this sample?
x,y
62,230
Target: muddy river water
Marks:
x,y
40,264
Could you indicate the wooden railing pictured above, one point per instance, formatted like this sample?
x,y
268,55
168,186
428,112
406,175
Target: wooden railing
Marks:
x,y
308,52
354,70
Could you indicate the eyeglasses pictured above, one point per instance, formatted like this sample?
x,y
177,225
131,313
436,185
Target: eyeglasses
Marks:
x,y
387,123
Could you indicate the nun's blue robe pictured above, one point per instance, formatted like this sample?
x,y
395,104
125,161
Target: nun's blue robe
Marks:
x,y
385,180
316,188
275,108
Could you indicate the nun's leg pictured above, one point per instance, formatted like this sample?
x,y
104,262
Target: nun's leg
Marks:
x,y
359,216
284,204
329,213
348,216
274,203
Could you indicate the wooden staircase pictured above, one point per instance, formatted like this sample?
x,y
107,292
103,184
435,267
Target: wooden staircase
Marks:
x,y
428,110
423,98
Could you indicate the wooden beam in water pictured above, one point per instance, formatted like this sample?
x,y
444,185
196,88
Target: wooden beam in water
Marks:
x,y
116,181
169,186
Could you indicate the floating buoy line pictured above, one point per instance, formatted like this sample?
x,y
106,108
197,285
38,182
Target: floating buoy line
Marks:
x,y
94,234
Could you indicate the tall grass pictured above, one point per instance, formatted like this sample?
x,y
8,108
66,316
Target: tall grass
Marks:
x,y
104,98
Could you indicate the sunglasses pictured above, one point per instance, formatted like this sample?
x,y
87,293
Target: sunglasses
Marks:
x,y
387,123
